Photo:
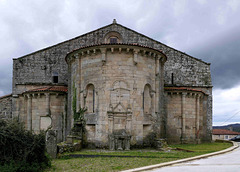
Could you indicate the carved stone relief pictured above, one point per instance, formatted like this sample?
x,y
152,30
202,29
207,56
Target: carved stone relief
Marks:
x,y
119,116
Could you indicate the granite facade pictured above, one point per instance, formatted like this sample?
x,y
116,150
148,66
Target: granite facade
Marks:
x,y
42,67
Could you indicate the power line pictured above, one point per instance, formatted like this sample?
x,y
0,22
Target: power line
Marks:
x,y
230,117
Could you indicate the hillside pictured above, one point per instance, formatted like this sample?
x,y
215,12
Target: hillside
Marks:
x,y
235,127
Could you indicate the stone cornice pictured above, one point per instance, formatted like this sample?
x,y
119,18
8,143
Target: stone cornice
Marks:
x,y
184,90
119,47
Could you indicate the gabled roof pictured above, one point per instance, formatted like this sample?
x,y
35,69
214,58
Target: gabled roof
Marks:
x,y
5,96
114,23
224,132
49,89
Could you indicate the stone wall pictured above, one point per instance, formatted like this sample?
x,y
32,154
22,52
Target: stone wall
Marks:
x,y
6,107
38,67
43,111
109,80
185,119
222,137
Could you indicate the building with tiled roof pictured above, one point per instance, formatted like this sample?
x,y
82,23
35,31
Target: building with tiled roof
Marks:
x,y
137,91
223,134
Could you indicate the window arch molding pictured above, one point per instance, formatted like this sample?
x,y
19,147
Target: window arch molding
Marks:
x,y
110,35
90,98
147,99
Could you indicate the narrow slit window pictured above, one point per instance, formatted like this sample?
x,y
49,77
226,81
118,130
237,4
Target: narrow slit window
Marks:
x,y
55,77
147,100
90,99
172,79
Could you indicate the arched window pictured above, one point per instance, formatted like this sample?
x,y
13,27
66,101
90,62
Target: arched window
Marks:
x,y
55,77
113,38
90,98
147,99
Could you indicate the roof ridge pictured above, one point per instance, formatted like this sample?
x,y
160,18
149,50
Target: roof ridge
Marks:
x,y
5,96
103,28
162,43
51,46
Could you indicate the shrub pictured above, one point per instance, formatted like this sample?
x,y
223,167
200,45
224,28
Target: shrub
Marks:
x,y
21,150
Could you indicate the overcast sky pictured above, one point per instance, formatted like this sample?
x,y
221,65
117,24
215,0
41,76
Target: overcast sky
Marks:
x,y
206,29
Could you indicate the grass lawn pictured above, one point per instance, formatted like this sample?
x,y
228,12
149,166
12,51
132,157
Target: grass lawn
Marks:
x,y
139,158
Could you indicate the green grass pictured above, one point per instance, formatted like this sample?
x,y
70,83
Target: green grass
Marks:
x,y
122,163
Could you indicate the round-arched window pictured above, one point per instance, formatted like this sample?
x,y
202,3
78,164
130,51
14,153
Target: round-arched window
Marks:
x,y
113,38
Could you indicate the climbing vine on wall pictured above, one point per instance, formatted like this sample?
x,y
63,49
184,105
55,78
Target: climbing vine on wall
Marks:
x,y
78,116
74,101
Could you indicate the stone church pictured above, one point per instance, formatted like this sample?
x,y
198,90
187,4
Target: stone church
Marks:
x,y
134,88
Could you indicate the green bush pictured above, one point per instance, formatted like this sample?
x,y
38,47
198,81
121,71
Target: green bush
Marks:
x,y
21,150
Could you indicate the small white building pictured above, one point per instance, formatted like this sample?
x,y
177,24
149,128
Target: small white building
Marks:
x,y
223,134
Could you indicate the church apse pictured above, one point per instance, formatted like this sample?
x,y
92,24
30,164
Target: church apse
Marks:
x,y
125,106
133,87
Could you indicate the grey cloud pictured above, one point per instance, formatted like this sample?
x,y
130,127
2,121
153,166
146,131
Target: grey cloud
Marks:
x,y
184,25
224,55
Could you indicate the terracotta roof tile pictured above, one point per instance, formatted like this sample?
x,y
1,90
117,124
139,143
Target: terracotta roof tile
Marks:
x,y
224,132
183,88
5,96
49,88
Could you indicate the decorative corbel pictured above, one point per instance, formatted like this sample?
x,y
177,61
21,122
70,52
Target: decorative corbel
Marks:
x,y
120,50
152,92
157,64
135,56
103,51
76,56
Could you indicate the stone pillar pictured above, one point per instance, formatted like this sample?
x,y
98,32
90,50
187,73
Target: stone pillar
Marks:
x,y
51,143
111,141
183,136
197,117
110,123
48,112
78,81
152,108
103,51
29,112
69,122
64,118
209,116
129,123
161,115
127,143
97,102
157,85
